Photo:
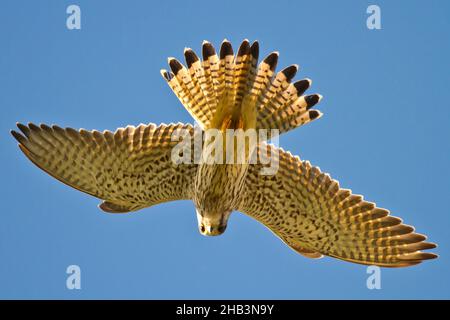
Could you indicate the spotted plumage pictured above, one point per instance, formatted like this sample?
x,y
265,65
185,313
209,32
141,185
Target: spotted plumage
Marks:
x,y
134,168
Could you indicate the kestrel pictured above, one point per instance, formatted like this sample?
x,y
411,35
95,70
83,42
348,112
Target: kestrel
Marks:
x,y
133,168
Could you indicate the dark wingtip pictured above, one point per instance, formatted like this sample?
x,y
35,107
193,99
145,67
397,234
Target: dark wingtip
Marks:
x,y
312,100
428,256
226,49
302,85
314,114
175,65
417,237
254,50
432,256
20,138
190,57
207,50
57,128
25,130
46,127
428,245
290,72
272,60
166,74
418,256
32,126
244,48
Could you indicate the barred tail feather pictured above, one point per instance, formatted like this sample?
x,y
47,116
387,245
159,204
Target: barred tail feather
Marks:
x,y
211,65
233,91
241,73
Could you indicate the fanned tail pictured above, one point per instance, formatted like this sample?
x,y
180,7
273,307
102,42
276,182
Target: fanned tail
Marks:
x,y
233,91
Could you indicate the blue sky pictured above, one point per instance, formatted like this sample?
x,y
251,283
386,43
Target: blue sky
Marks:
x,y
384,134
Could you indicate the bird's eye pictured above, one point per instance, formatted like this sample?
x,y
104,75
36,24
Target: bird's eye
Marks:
x,y
202,228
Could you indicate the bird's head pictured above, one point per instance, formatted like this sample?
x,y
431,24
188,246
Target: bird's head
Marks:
x,y
212,224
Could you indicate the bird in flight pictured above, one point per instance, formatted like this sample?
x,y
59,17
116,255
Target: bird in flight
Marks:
x,y
133,167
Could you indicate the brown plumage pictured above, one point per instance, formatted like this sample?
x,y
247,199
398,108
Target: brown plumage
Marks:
x,y
133,167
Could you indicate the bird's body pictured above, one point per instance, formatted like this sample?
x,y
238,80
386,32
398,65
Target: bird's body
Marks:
x,y
217,192
134,167
219,185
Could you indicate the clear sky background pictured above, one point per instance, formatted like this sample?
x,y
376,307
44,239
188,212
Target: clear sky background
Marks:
x,y
385,134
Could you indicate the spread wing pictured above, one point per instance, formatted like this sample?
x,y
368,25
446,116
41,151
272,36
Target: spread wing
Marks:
x,y
129,169
314,216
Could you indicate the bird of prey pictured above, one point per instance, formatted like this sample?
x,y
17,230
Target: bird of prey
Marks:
x,y
133,168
